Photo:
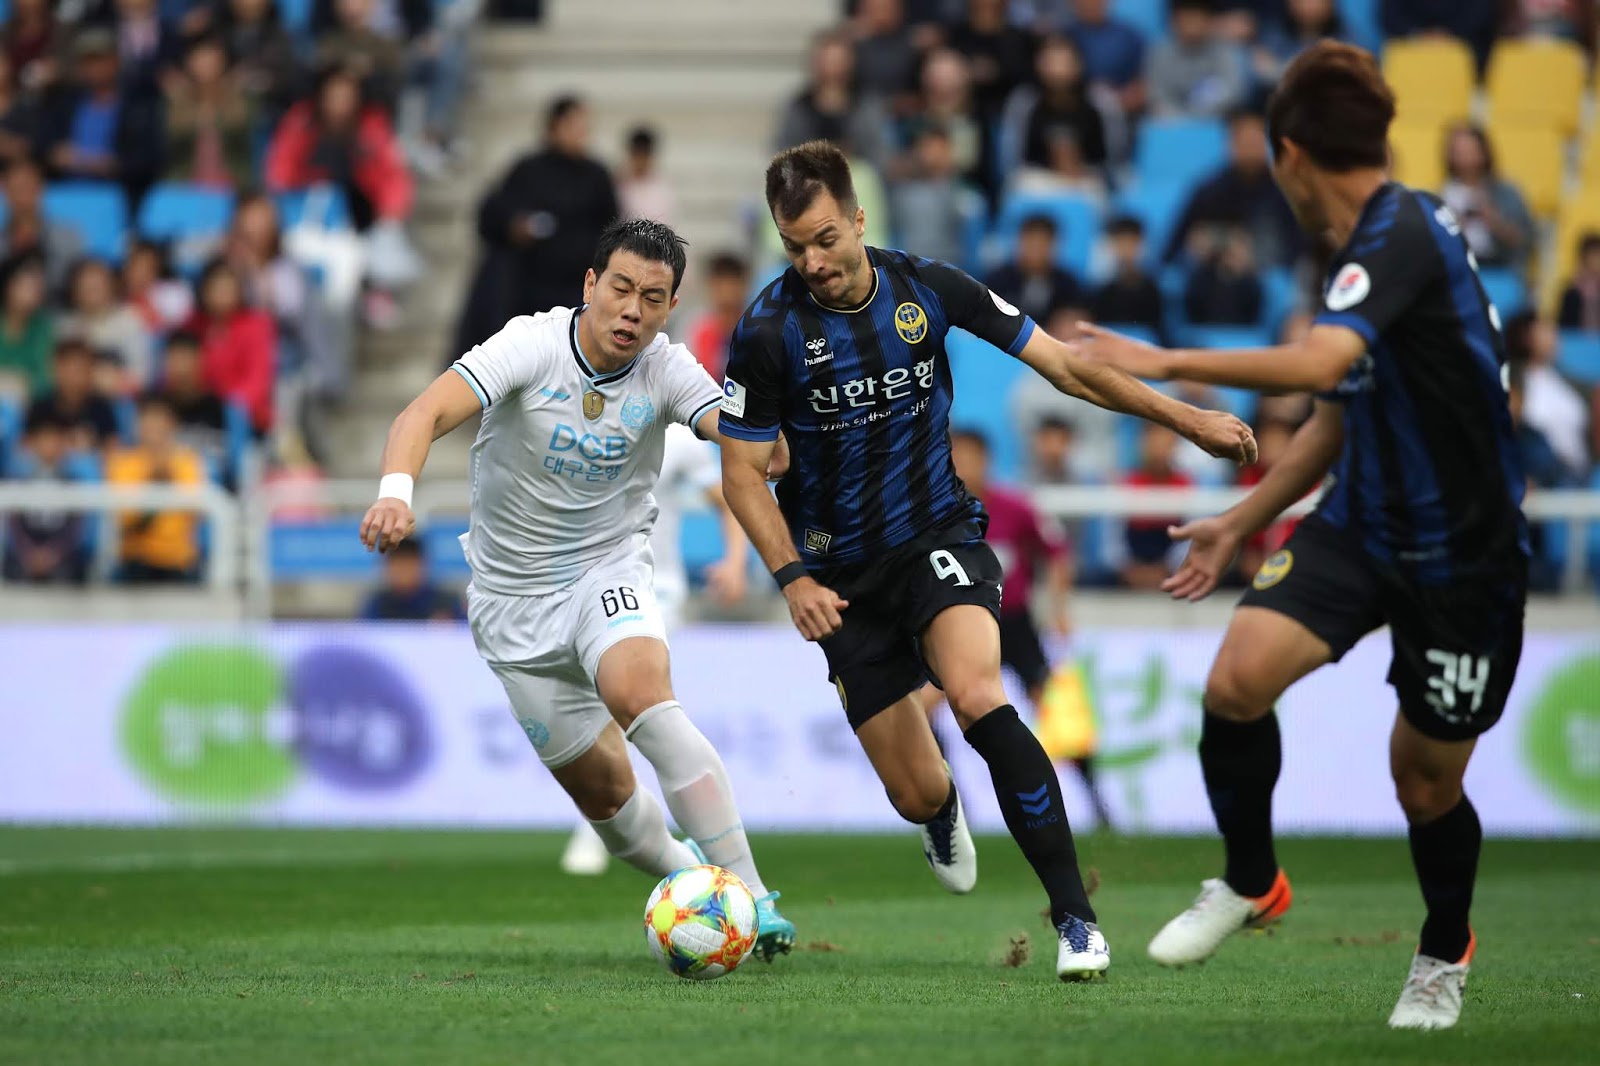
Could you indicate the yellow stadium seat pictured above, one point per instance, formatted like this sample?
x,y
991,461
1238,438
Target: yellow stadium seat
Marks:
x,y
1531,158
1537,80
1432,78
1589,160
1579,215
1418,150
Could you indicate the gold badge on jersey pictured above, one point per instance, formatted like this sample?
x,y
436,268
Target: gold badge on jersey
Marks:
x,y
594,405
1274,570
911,323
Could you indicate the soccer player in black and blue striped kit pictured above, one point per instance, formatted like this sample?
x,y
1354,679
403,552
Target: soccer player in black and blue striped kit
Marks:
x,y
875,542
1420,529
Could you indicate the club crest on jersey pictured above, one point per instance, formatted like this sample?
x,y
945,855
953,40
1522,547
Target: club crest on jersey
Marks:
x,y
638,412
910,323
1274,570
594,405
1349,288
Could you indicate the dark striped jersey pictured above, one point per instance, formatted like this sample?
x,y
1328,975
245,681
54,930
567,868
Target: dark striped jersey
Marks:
x,y
863,396
1429,479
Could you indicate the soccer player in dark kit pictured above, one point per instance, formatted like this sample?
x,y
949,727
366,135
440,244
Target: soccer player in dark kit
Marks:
x,y
1421,528
877,547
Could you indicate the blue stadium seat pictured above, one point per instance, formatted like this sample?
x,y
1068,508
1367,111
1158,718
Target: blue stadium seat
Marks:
x,y
296,16
1157,204
1183,150
442,541
97,210
1361,25
1241,402
984,377
1149,17
335,212
1507,290
191,217
127,412
239,435
1280,293
329,550
10,428
1578,356
1077,222
1134,330
1592,548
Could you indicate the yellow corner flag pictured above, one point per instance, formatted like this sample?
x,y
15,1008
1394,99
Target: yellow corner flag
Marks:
x,y
1066,719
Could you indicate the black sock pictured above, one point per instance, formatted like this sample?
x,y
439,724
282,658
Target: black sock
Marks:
x,y
1030,798
1445,853
1240,761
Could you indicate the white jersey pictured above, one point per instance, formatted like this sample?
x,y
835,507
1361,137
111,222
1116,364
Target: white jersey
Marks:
x,y
566,459
688,469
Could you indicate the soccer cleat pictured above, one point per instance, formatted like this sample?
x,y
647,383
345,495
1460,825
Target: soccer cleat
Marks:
x,y
1216,914
774,932
586,854
698,852
947,845
1084,954
1431,998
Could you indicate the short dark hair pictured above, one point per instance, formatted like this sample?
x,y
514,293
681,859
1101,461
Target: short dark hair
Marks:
x,y
727,265
1479,137
183,338
157,401
1241,114
1125,226
642,139
72,347
797,176
43,417
1587,243
1207,6
646,239
409,548
1040,221
1333,102
1056,423
971,435
560,108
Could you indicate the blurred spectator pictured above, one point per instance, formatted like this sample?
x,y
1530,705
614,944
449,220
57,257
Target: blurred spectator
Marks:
x,y
43,546
406,594
642,189
1493,216
1050,454
146,43
1057,110
1130,296
19,119
1571,20
162,299
1001,53
158,547
31,39
1243,194
1580,303
202,418
1223,289
90,419
947,102
929,206
1551,405
1544,470
1034,401
727,292
539,227
27,229
885,52
1032,280
1112,52
264,60
1473,21
210,123
1304,23
1196,72
98,315
1272,440
95,130
830,108
27,328
1147,540
238,344
348,36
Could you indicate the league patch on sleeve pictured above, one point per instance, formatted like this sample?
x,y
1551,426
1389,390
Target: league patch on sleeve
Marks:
x,y
1350,287
733,395
1004,307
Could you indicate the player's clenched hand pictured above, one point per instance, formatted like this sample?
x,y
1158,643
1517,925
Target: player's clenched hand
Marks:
x,y
1223,436
387,523
1125,353
815,608
1213,545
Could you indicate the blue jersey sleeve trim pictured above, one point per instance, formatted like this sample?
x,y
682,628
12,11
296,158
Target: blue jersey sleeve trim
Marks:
x,y
1023,337
750,433
1348,321
467,376
694,420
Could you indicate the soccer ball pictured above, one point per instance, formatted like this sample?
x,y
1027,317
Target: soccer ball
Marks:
x,y
700,922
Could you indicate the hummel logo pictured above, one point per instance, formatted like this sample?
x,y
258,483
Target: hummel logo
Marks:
x,y
826,357
1035,803
815,346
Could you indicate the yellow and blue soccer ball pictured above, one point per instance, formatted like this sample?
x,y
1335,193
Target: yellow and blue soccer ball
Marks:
x,y
700,922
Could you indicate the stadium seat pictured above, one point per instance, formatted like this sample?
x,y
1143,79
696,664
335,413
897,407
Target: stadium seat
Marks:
x,y
10,428
1579,215
1361,24
1134,330
1241,402
1531,157
1182,150
1077,220
1149,17
984,379
1418,152
1507,290
97,210
1537,80
1157,204
192,218
1432,78
1592,549
1578,356
296,16
332,210
1589,160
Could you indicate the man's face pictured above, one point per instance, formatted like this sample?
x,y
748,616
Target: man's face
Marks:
x,y
1036,249
98,72
1052,446
1127,249
403,573
48,445
24,190
182,368
1247,145
74,371
630,302
1090,11
570,135
157,427
1191,26
825,246
726,294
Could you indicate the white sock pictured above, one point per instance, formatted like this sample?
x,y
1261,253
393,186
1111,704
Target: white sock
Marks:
x,y
696,787
637,834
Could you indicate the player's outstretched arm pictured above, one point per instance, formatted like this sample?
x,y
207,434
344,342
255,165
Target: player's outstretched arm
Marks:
x,y
1106,385
1215,542
443,406
1316,364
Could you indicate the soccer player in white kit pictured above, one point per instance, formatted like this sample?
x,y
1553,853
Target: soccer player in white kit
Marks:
x,y
575,409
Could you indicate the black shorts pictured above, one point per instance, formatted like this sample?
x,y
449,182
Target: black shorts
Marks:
x,y
875,660
1021,649
1456,646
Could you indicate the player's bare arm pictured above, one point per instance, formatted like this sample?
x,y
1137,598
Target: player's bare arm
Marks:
x,y
1315,364
1105,384
441,407
814,607
1215,542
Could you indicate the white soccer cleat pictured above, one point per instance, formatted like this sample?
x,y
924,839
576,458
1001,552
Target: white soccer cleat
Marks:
x,y
1084,954
947,845
1431,998
1216,914
586,854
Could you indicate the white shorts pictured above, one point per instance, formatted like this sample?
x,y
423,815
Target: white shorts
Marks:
x,y
546,649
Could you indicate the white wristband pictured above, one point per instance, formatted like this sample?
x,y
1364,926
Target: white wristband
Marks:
x,y
397,486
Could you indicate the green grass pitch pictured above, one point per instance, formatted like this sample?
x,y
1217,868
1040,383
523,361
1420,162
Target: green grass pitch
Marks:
x,y
209,946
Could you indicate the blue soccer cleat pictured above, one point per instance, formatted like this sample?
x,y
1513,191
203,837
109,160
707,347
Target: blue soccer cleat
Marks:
x,y
1083,955
774,932
695,849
